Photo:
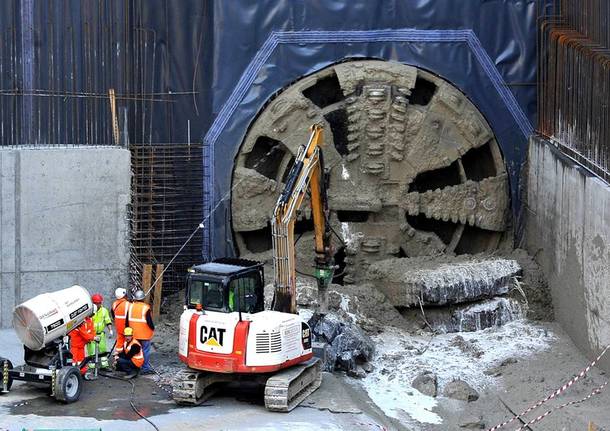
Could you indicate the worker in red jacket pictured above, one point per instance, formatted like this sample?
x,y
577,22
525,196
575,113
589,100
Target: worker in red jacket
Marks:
x,y
79,337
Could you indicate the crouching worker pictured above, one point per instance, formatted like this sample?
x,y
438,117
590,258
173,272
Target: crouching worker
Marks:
x,y
79,337
131,358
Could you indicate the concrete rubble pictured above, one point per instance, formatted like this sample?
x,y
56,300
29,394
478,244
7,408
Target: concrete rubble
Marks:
x,y
474,317
460,390
344,346
444,280
426,383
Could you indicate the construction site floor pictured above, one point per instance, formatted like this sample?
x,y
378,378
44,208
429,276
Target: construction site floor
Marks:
x,y
104,404
341,402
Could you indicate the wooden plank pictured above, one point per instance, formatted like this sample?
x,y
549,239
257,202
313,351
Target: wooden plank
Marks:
x,y
115,122
146,280
158,291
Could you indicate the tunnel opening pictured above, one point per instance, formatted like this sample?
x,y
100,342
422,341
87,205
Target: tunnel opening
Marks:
x,y
340,263
353,216
401,253
423,92
479,164
338,125
439,163
326,91
303,225
436,179
266,156
443,229
258,241
287,170
475,240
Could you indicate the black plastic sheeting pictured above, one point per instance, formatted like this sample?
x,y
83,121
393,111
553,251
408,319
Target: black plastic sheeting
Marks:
x,y
487,48
191,67
59,58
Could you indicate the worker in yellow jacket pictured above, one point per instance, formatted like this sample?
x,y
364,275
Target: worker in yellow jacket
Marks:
x,y
101,321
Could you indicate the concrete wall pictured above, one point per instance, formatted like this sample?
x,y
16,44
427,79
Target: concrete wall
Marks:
x,y
63,221
568,231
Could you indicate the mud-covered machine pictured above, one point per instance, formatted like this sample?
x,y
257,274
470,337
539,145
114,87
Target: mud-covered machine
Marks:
x,y
42,324
226,335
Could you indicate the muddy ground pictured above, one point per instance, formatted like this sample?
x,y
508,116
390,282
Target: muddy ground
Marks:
x,y
508,368
341,403
105,404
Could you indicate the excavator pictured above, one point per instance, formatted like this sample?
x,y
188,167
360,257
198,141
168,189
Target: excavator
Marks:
x,y
226,335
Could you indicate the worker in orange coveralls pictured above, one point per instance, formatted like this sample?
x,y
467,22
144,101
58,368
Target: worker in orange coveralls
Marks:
x,y
79,337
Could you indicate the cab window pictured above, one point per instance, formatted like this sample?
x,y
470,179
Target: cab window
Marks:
x,y
207,293
247,293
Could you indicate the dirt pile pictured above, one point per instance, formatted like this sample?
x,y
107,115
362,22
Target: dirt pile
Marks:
x,y
167,329
533,285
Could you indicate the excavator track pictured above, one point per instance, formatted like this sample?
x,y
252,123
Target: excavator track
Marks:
x,y
287,389
192,388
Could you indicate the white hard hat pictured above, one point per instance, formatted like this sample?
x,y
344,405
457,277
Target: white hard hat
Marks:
x,y
139,295
120,293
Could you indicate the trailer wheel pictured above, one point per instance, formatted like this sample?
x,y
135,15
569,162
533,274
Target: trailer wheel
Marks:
x,y
9,378
68,384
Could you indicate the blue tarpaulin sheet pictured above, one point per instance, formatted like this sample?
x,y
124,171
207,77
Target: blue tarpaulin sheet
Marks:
x,y
486,48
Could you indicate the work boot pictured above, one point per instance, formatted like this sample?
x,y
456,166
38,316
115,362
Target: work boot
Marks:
x,y
145,372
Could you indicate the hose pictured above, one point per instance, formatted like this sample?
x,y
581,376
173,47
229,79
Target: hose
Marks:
x,y
131,397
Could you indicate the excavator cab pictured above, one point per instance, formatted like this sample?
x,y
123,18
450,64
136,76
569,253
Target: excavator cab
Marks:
x,y
226,285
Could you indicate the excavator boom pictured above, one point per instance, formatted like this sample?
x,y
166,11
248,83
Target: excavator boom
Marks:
x,y
307,173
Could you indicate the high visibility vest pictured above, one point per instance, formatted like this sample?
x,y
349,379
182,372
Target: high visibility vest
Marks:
x,y
119,308
138,359
136,316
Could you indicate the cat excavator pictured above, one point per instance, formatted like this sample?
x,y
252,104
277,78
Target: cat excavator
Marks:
x,y
226,335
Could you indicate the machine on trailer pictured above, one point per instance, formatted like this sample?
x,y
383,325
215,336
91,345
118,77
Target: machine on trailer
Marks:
x,y
42,324
226,334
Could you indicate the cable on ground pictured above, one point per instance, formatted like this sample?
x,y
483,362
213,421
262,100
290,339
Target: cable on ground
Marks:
x,y
131,397
557,392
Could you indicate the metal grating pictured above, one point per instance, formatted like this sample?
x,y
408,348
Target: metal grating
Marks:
x,y
262,342
574,81
59,61
268,342
166,208
60,58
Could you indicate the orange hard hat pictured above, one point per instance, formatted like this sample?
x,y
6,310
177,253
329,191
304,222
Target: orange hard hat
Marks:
x,y
97,298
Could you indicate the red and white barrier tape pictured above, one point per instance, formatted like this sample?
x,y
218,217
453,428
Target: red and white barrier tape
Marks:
x,y
556,393
545,414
